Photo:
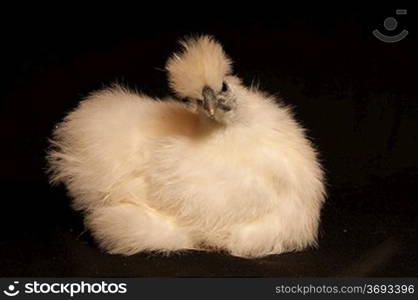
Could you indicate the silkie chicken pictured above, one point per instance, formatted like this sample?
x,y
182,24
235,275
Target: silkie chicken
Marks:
x,y
231,171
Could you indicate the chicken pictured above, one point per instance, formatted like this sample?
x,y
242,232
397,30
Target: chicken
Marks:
x,y
230,171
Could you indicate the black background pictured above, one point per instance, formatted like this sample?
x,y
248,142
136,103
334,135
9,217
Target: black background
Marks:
x,y
356,95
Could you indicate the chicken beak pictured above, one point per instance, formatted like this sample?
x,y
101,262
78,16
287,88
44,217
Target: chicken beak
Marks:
x,y
209,99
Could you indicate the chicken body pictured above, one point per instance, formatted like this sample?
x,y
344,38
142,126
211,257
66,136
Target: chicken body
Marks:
x,y
161,176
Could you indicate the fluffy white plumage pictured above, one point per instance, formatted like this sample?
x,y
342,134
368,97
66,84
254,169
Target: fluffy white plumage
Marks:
x,y
232,172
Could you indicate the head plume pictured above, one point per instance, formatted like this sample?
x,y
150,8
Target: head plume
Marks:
x,y
202,62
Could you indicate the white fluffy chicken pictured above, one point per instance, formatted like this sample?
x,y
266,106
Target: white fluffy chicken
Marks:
x,y
233,171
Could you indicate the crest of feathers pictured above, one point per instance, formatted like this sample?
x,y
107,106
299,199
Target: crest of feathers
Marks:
x,y
202,62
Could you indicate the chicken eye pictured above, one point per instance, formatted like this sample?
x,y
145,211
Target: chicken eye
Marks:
x,y
225,107
224,87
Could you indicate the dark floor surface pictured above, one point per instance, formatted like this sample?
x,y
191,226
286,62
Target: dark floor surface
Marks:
x,y
46,238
